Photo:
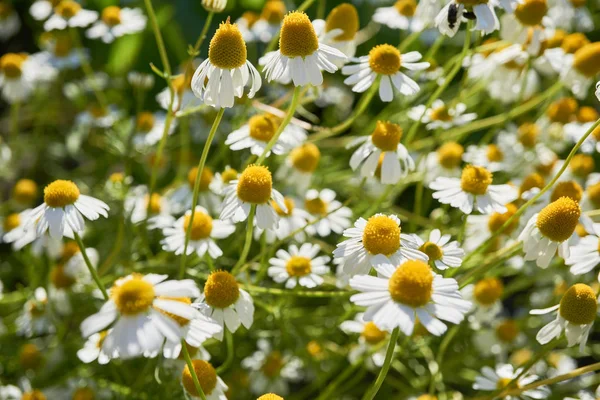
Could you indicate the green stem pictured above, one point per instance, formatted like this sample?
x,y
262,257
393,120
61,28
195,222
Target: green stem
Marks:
x,y
298,293
230,353
246,249
196,194
331,388
408,41
89,265
188,361
202,36
159,39
370,395
14,119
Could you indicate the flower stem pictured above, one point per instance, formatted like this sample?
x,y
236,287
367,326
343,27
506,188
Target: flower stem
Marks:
x,y
202,36
246,249
196,192
230,353
14,119
330,389
159,39
370,395
188,361
88,263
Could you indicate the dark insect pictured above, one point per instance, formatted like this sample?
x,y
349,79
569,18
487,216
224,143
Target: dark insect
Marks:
x,y
469,15
452,15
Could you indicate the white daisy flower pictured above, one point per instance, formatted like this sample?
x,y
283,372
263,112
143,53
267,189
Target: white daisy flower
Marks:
x,y
136,205
13,230
339,30
140,80
400,294
60,52
98,117
575,314
203,232
220,180
383,143
550,230
11,392
116,22
290,221
474,189
577,71
492,380
224,301
486,299
10,23
21,73
36,318
184,96
300,58
585,255
441,251
69,14
149,128
326,213
144,310
529,25
445,161
92,349
300,166
493,157
575,131
503,336
253,188
299,266
64,206
369,342
260,129
384,62
245,24
453,15
402,15
269,21
571,15
440,116
181,198
223,75
211,384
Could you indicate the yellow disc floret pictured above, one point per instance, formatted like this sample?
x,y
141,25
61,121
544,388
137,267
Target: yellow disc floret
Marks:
x,y
475,180
297,36
558,220
384,59
493,153
227,49
298,266
562,110
381,235
498,219
205,179
345,18
570,189
67,9
83,393
262,127
30,357
587,114
145,121
528,134
488,291
533,180
386,136
11,221
441,114
134,296
25,191
61,193
316,206
228,175
33,395
289,204
255,185
372,334
579,305
273,12
202,225
450,155
593,192
206,374
270,396
111,15
273,364
433,251
582,165
305,157
587,59
60,279
507,331
574,42
154,203
412,283
11,65
406,7
221,289
531,12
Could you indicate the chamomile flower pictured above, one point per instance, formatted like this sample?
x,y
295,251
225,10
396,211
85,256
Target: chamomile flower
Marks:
x,y
224,302
494,379
575,131
385,62
575,315
69,14
445,161
116,22
571,15
400,294
182,197
504,335
451,16
64,206
300,57
211,384
182,91
585,255
440,116
253,188
269,21
36,318
10,23
550,230
245,23
143,311
149,128
299,266
577,71
300,166
339,30
220,180
493,157
486,297
223,75
203,232
441,251
383,143
474,190
369,342
13,230
528,25
60,52
92,349
138,204
97,116
20,73
326,213
399,16
260,129
290,221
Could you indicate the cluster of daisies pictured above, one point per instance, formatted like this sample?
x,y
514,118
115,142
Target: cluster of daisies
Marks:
x,y
306,208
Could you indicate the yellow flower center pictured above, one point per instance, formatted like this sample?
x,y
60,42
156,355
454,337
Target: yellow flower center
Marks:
x,y
372,333
134,296
386,136
471,3
582,165
111,15
533,180
263,126
250,17
433,251
306,157
344,17
587,59
83,393
270,396
227,49
298,266
498,219
316,206
504,382
255,185
289,204
507,331
11,221
30,356
587,114
181,83
475,180
11,65
581,232
297,36
273,364
427,397
557,221
531,12
62,45
579,305
493,153
180,320
202,225
314,348
412,284
596,133
384,59
593,192
221,289
155,203
206,374
205,179
97,111
450,155
61,193
25,191
33,395
69,249
488,291
229,175
381,235
441,114
273,12
570,189
521,356
37,308
67,9
406,7
145,121
59,278
562,110
528,134
574,42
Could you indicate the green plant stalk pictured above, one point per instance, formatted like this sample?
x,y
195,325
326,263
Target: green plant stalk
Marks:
x,y
408,41
247,242
229,360
188,361
196,193
159,39
202,36
88,263
14,119
370,394
327,393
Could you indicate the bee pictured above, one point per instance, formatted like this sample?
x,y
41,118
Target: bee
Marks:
x,y
452,15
